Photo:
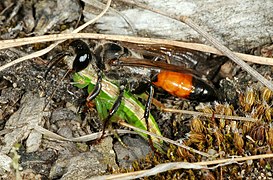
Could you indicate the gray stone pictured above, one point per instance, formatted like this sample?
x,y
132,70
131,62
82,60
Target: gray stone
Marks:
x,y
240,25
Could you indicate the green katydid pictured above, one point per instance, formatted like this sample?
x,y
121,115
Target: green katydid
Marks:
x,y
130,110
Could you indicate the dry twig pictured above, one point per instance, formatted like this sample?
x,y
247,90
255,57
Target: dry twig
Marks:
x,y
56,37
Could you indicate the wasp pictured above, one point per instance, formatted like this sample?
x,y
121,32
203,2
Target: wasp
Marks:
x,y
176,80
133,71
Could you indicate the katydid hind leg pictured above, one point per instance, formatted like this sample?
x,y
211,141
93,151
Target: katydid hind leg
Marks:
x,y
96,89
114,108
147,114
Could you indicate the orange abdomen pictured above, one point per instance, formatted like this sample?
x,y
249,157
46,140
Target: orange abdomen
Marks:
x,y
175,83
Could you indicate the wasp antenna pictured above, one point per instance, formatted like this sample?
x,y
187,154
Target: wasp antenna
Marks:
x,y
55,60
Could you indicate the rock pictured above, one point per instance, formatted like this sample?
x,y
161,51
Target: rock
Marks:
x,y
22,122
86,164
5,163
51,13
137,148
239,25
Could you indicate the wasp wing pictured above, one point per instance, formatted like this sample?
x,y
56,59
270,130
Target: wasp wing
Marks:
x,y
130,61
204,63
176,55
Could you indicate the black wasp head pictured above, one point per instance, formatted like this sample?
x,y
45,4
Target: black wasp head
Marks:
x,y
83,55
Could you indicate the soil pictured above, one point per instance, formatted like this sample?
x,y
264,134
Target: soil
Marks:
x,y
28,98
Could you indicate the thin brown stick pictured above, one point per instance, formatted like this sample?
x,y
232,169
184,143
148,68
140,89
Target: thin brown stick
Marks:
x,y
162,107
15,10
4,10
195,113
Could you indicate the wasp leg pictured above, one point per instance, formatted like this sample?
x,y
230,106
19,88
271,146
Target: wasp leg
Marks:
x,y
96,89
149,103
114,108
147,114
57,58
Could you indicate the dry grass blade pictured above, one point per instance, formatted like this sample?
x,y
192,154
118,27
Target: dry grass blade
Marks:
x,y
100,5
86,138
145,173
162,107
181,165
164,139
107,6
195,113
194,46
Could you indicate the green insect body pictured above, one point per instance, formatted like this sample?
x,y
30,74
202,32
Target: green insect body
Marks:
x,y
131,110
